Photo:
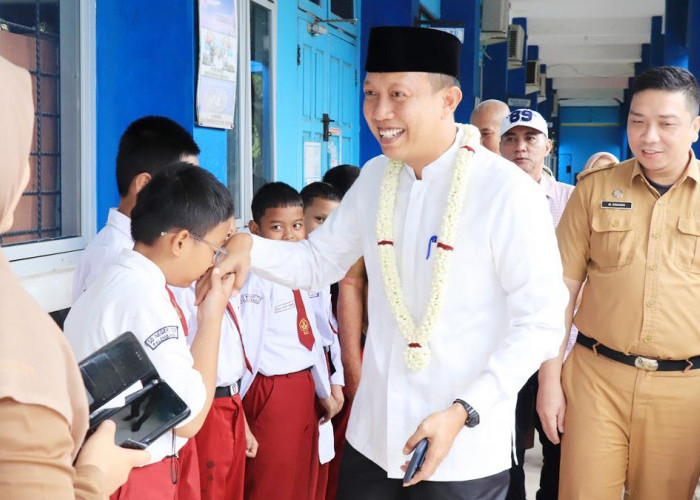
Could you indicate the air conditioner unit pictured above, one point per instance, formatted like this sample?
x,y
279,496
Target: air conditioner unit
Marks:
x,y
516,44
494,16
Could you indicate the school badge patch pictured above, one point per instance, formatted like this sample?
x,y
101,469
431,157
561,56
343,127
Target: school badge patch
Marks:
x,y
160,336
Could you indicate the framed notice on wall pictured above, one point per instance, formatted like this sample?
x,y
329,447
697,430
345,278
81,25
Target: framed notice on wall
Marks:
x,y
218,63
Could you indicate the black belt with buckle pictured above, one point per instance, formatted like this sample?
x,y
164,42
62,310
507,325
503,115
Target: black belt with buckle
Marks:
x,y
648,364
227,391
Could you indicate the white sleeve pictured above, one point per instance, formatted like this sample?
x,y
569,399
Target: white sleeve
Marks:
x,y
165,344
536,294
322,259
255,309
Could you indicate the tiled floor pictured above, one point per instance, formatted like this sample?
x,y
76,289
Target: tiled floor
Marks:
x,y
533,463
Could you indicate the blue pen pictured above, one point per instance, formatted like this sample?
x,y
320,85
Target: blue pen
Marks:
x,y
433,239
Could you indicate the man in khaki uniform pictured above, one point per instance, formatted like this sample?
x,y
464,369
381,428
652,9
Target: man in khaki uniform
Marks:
x,y
632,382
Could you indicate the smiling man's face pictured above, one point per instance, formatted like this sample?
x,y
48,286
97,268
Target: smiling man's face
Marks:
x,y
407,115
660,130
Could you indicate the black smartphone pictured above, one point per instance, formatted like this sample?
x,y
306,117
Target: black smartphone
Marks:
x,y
147,415
416,460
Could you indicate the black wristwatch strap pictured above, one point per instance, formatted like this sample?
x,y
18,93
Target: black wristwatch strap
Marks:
x,y
472,415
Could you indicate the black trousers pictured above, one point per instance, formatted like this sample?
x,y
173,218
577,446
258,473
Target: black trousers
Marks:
x,y
362,479
549,477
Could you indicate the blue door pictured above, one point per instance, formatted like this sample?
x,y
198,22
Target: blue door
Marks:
x,y
328,90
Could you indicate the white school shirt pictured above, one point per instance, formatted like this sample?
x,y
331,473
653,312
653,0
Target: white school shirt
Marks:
x,y
131,296
102,251
269,324
328,330
231,363
502,316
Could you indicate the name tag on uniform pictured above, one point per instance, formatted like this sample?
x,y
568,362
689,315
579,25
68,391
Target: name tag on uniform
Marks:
x,y
620,205
284,307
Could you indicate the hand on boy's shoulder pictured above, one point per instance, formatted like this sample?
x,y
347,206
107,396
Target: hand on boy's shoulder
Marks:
x,y
234,266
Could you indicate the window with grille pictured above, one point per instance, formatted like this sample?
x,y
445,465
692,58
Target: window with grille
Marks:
x,y
42,37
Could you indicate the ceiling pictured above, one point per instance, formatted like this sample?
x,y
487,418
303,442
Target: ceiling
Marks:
x,y
589,46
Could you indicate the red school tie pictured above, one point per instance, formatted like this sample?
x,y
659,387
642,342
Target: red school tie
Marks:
x,y
306,336
235,321
177,310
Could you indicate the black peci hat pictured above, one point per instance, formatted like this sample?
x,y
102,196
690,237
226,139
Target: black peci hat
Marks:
x,y
397,49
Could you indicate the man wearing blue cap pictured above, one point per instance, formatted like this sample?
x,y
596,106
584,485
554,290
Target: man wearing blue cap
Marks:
x,y
465,298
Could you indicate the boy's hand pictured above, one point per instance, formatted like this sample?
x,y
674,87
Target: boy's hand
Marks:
x,y
328,405
441,429
216,299
337,395
251,444
236,264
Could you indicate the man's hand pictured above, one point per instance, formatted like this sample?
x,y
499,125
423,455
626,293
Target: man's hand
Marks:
x,y
214,303
236,263
328,405
551,404
441,429
251,444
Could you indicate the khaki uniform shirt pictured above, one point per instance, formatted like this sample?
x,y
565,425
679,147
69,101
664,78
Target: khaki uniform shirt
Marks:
x,y
641,254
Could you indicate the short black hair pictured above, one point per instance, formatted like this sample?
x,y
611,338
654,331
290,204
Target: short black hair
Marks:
x,y
321,190
671,79
274,195
149,144
342,177
181,196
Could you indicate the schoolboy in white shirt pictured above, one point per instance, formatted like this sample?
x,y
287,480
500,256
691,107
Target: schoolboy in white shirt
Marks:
x,y
180,220
289,366
225,439
145,148
320,199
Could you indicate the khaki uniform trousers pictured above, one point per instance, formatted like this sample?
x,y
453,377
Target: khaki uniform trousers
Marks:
x,y
628,428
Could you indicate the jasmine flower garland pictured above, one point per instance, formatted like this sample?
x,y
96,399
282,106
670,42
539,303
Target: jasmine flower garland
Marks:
x,y
418,354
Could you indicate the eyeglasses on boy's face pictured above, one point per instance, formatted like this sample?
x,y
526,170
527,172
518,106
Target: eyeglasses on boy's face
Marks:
x,y
219,252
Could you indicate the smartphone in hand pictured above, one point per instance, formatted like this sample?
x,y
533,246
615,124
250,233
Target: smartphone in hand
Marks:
x,y
416,460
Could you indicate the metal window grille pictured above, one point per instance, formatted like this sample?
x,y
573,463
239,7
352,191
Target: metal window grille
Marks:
x,y
23,25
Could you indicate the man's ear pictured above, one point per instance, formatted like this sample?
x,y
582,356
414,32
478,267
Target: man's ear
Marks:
x,y
695,124
177,240
254,228
139,182
549,146
451,98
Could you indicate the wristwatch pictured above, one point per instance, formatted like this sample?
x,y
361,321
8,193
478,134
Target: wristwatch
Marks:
x,y
472,414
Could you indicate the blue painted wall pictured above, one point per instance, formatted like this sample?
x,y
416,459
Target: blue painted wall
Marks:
x,y
468,11
495,81
584,131
384,13
286,118
145,65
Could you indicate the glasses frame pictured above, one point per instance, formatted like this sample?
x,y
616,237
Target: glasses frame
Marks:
x,y
219,252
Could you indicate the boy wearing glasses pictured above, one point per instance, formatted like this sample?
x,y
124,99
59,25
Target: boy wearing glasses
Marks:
x,y
289,378
225,440
181,218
